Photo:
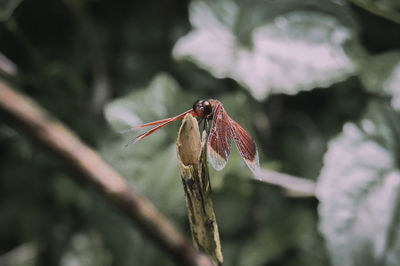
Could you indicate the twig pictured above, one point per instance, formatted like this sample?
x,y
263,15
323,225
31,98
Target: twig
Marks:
x,y
22,112
7,66
294,186
192,159
20,255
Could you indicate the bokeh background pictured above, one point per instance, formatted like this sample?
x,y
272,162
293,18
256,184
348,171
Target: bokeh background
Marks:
x,y
316,83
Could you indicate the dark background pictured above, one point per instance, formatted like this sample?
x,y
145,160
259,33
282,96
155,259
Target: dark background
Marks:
x,y
78,59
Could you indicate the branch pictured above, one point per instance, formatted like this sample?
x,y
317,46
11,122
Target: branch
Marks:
x,y
294,186
22,112
192,158
20,255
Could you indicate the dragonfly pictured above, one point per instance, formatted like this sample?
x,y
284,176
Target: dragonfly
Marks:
x,y
223,130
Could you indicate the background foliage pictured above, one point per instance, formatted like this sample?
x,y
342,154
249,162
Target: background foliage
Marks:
x,y
317,83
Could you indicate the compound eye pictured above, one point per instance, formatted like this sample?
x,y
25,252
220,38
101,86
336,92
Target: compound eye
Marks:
x,y
198,108
197,104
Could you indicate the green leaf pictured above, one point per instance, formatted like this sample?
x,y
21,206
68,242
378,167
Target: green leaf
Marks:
x,y
162,98
283,52
381,74
359,189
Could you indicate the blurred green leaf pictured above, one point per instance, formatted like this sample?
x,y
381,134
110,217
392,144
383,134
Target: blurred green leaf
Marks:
x,y
359,190
162,98
285,52
381,74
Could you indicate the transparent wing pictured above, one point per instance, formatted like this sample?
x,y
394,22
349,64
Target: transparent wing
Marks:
x,y
246,146
220,139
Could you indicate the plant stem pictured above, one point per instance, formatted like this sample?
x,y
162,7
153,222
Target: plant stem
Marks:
x,y
192,159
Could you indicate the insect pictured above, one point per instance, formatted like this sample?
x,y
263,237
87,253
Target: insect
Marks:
x,y
223,130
